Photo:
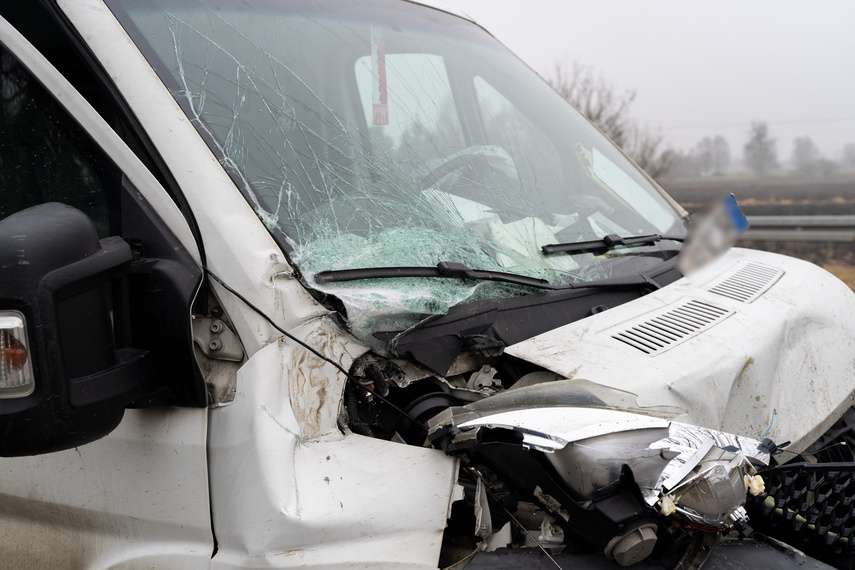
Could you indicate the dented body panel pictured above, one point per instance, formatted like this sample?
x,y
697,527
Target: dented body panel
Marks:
x,y
287,496
792,357
323,445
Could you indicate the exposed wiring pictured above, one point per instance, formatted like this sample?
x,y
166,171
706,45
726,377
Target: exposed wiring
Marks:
x,y
762,437
498,501
820,450
363,385
704,528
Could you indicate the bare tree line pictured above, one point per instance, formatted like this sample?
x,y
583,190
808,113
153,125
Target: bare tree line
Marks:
x,y
608,109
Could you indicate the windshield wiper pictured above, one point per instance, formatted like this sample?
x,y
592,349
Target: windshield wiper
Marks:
x,y
607,243
444,269
452,270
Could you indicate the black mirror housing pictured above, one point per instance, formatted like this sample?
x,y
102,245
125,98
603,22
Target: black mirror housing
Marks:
x,y
57,273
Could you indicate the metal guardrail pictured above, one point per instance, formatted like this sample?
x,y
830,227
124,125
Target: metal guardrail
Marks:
x,y
801,228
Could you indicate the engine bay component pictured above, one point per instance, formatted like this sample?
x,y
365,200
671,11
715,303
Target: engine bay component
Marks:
x,y
620,481
633,546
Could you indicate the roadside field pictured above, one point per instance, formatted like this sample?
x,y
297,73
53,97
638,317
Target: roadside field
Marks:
x,y
770,196
782,197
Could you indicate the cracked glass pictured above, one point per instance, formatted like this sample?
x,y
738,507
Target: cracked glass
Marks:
x,y
390,134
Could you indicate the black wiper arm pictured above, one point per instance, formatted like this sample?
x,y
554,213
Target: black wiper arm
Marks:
x,y
444,269
452,270
608,243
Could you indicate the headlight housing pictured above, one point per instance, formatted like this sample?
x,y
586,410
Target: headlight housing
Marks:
x,y
617,479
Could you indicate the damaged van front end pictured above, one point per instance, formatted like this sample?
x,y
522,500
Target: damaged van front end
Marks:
x,y
461,323
643,429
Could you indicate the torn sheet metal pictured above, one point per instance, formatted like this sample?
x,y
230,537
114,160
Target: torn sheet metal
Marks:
x,y
696,469
550,429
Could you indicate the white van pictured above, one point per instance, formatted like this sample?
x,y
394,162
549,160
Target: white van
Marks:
x,y
343,283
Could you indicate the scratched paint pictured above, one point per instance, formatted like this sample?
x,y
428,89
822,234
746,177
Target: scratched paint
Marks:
x,y
315,386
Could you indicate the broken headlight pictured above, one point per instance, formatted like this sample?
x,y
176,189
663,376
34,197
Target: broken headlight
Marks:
x,y
618,480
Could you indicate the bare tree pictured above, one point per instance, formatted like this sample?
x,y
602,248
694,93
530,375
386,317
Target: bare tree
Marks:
x,y
805,156
646,149
686,164
595,98
608,108
713,155
760,153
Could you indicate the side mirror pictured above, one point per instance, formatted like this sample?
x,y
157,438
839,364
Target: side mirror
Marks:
x,y
63,383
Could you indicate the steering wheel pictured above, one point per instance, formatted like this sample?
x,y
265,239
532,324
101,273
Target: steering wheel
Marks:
x,y
476,156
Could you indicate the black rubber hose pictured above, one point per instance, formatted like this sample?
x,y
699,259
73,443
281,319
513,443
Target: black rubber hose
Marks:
x,y
354,422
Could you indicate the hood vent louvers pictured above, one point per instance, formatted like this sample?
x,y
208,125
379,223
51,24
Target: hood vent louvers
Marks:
x,y
671,327
748,282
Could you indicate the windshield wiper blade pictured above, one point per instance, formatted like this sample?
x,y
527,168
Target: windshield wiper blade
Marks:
x,y
452,270
608,243
444,269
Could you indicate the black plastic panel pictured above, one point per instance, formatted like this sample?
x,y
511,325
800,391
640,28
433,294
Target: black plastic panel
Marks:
x,y
56,271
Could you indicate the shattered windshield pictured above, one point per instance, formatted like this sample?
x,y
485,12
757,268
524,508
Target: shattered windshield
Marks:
x,y
388,134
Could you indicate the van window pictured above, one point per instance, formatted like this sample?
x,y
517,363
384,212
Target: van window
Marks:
x,y
417,119
44,154
535,158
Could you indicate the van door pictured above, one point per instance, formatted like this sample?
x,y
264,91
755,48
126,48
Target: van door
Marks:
x,y
139,496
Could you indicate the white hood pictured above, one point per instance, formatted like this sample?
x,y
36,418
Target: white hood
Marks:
x,y
751,333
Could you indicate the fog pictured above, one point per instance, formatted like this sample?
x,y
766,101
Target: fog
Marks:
x,y
701,69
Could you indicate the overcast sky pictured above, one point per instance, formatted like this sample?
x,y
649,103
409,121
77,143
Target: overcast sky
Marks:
x,y
701,68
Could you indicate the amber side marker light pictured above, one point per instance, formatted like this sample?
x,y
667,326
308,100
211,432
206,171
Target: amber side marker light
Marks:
x,y
16,370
